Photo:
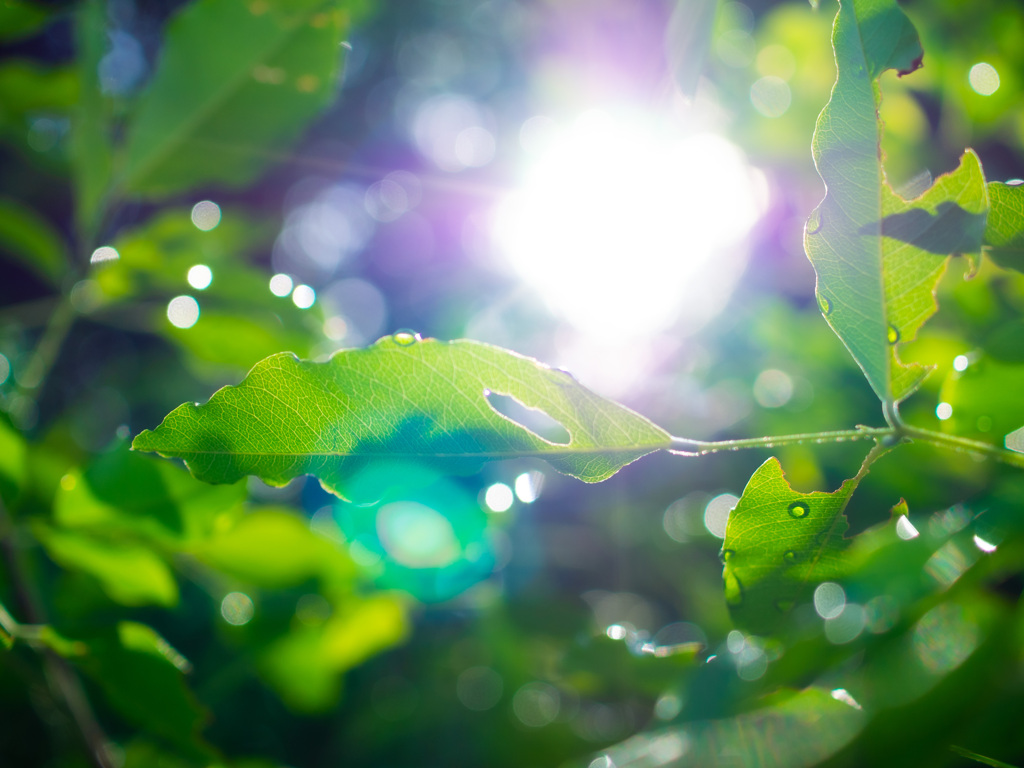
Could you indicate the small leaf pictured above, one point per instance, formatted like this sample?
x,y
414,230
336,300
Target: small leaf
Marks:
x,y
28,237
91,148
688,39
305,666
878,257
272,548
801,729
21,19
130,574
1004,230
12,461
779,544
141,676
399,399
216,113
126,494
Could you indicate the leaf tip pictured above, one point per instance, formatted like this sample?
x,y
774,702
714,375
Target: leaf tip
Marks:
x,y
915,65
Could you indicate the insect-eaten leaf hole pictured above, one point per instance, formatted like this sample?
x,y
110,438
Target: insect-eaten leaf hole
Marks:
x,y
531,419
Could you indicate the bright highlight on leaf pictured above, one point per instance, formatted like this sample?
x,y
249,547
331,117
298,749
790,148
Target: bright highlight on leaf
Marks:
x,y
879,257
422,401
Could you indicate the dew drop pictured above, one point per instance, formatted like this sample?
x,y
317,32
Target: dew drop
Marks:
x,y
825,305
784,606
791,557
799,509
892,335
733,589
815,221
406,338
726,554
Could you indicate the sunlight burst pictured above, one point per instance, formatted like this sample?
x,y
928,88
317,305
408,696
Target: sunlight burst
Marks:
x,y
621,227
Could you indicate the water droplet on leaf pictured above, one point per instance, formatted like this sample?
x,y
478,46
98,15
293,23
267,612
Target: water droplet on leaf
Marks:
x,y
825,305
799,509
892,335
815,221
791,557
733,589
726,554
406,338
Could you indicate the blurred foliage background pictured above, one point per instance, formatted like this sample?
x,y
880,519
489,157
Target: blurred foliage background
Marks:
x,y
607,186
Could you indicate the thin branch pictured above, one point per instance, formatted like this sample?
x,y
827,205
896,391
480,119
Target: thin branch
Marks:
x,y
49,345
965,445
687,447
63,680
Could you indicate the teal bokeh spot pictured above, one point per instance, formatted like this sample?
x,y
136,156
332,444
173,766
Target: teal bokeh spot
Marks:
x,y
416,531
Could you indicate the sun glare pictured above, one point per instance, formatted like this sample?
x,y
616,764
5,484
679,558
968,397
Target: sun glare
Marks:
x,y
623,228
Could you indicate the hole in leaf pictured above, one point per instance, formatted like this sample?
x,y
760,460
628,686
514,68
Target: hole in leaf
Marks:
x,y
530,419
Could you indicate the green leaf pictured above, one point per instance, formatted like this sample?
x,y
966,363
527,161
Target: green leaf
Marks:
x,y
91,148
21,19
779,544
216,113
798,729
688,39
986,399
141,675
1004,230
127,494
129,573
401,398
28,237
272,548
305,665
27,91
12,461
878,257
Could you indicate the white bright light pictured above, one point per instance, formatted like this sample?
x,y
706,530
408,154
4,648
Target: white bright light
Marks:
x,y
303,296
104,253
200,276
984,78
499,497
618,225
943,411
960,363
280,285
206,215
183,311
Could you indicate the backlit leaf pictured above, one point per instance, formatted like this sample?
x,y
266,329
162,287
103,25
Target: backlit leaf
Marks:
x,y
28,237
12,461
141,675
91,148
779,544
399,399
985,398
216,113
801,729
1004,230
138,497
877,256
272,548
130,574
305,666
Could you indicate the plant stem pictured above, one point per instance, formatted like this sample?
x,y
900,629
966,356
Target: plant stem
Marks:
x,y
46,351
964,445
686,447
887,435
62,678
